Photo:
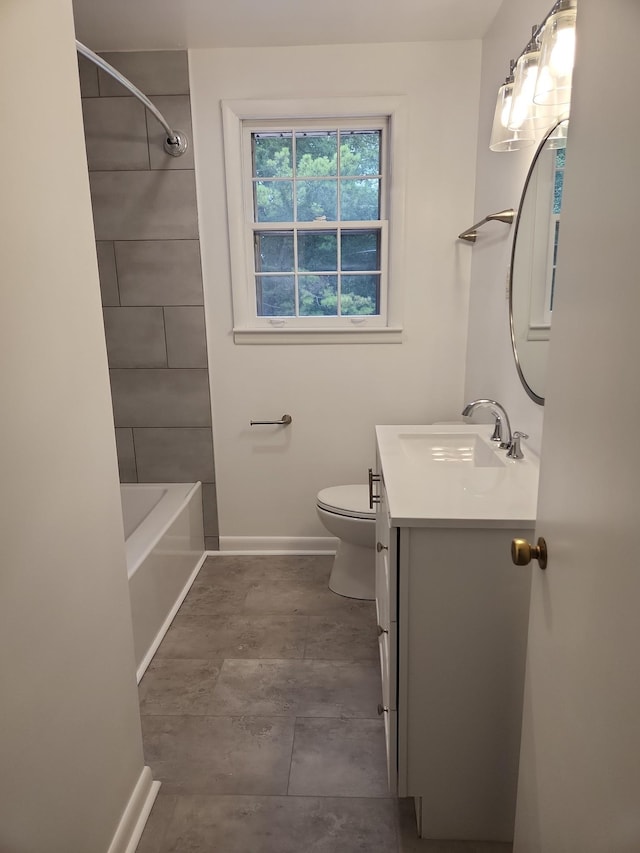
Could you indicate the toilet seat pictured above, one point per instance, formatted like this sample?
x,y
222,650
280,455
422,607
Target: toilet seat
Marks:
x,y
348,501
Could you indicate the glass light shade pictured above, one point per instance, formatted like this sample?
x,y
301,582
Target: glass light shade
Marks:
x,y
553,85
558,137
524,112
502,138
523,87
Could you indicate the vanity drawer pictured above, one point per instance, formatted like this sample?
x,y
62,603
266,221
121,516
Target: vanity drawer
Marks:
x,y
391,742
388,662
383,524
383,603
387,580
386,574
388,648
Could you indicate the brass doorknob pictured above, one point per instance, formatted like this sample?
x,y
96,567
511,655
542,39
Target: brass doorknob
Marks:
x,y
522,552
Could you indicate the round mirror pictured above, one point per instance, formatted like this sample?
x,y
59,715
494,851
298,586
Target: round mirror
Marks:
x,y
533,261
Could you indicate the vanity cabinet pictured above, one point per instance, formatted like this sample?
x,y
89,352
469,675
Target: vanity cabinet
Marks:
x,y
452,615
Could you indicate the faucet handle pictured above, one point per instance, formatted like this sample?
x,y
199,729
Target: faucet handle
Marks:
x,y
496,435
515,451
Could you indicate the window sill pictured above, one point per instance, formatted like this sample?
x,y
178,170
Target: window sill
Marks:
x,y
380,335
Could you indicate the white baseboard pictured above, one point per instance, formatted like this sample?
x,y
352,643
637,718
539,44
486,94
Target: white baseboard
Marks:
x,y
135,815
280,544
153,648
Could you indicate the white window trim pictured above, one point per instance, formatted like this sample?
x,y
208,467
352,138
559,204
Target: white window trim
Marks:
x,y
234,114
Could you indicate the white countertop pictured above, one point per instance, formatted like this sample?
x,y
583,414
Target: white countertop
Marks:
x,y
432,481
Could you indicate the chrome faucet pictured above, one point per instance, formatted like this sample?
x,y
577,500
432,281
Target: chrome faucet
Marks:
x,y
515,451
503,427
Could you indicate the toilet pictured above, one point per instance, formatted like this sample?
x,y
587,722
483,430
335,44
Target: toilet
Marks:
x,y
345,512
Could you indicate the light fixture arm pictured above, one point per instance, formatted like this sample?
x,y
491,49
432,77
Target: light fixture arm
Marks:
x,y
536,31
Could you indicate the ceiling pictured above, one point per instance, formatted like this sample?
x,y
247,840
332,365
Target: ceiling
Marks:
x,y
172,24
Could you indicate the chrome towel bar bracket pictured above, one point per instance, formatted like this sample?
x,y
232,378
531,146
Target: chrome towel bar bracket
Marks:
x,y
285,420
506,216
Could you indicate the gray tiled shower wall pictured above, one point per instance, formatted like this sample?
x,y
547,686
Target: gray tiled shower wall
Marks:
x,y
146,224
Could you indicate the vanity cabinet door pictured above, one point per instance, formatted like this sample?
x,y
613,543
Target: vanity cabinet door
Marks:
x,y
462,644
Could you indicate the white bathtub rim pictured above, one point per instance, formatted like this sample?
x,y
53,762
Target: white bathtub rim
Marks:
x,y
139,544
153,648
137,502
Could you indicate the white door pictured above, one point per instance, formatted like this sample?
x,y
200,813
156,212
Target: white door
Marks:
x,y
579,786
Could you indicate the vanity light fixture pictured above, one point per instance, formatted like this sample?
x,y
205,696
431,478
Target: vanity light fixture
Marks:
x,y
553,85
536,94
527,116
504,138
524,84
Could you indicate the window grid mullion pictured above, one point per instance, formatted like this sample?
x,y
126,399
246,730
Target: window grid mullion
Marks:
x,y
296,282
383,166
294,173
339,271
329,225
338,190
279,273
288,178
294,184
339,218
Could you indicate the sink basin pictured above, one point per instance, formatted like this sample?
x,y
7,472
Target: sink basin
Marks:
x,y
447,475
466,450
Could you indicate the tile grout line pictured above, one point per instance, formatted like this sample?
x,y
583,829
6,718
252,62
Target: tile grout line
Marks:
x,y
135,458
293,743
115,266
306,638
166,341
148,140
282,796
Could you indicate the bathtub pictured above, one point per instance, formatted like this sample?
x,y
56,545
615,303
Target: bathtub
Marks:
x,y
164,544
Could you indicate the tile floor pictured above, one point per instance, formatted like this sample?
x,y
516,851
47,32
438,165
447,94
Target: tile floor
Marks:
x,y
259,717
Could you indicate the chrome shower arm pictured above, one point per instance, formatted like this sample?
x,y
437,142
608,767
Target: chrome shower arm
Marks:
x,y
176,142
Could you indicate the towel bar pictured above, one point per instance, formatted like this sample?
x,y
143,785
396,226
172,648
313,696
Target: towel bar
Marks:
x,y
285,420
470,234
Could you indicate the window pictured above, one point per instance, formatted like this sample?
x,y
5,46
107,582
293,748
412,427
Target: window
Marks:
x,y
312,214
317,198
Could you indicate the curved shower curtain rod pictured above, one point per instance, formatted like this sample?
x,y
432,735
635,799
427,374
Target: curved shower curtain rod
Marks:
x,y
175,142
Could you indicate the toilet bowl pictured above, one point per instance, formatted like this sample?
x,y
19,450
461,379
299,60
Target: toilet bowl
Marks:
x,y
345,512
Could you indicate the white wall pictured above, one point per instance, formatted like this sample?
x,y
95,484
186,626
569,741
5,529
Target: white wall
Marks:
x,y
491,370
70,743
266,480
